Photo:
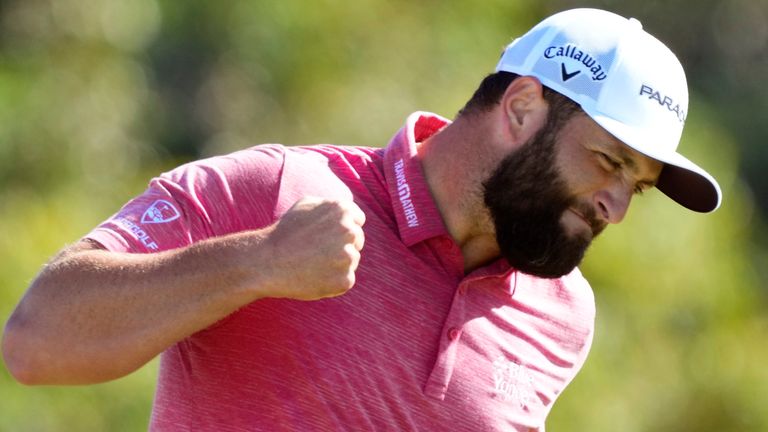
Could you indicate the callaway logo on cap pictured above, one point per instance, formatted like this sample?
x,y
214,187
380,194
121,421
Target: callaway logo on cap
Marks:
x,y
626,80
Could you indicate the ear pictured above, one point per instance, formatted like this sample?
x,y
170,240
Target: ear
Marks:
x,y
524,107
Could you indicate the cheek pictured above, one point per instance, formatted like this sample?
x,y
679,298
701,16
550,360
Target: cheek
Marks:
x,y
581,173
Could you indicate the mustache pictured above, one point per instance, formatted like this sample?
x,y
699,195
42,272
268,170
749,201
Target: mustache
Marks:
x,y
589,214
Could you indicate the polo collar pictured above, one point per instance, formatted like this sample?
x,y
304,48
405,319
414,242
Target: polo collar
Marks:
x,y
418,217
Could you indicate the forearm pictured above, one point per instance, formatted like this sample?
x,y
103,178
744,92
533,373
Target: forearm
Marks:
x,y
93,315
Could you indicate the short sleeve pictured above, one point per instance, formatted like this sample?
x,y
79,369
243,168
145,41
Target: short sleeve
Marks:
x,y
203,199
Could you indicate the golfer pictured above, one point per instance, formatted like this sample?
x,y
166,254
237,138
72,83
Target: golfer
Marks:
x,y
428,285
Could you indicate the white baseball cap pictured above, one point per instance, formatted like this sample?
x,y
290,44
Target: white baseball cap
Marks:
x,y
626,80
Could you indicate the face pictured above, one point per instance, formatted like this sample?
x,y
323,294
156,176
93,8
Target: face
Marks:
x,y
550,198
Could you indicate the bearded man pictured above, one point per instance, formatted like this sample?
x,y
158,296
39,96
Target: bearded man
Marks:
x,y
428,285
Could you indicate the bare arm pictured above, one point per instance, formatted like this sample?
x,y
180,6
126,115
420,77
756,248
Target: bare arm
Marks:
x,y
93,315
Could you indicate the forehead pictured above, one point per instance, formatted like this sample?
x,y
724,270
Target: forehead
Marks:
x,y
587,133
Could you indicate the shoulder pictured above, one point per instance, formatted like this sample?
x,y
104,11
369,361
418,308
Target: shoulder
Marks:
x,y
333,172
263,160
569,297
578,284
275,160
581,288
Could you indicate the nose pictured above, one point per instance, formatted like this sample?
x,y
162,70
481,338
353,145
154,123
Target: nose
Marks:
x,y
612,204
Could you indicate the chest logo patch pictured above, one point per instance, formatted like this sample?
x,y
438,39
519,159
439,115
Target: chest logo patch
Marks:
x,y
161,211
513,381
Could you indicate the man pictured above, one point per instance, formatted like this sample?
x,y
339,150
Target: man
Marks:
x,y
438,274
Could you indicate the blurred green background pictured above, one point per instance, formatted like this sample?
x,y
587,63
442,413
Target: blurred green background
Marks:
x,y
96,97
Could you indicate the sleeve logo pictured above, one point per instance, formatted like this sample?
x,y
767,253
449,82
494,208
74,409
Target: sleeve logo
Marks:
x,y
161,211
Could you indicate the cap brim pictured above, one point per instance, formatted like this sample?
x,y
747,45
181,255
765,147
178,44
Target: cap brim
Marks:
x,y
680,179
689,185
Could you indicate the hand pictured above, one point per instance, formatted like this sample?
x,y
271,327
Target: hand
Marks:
x,y
312,252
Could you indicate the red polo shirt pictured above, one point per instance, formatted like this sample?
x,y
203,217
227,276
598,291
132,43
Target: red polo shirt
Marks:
x,y
415,345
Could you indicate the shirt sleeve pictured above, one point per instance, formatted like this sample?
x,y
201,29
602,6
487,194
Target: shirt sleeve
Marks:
x,y
203,199
579,285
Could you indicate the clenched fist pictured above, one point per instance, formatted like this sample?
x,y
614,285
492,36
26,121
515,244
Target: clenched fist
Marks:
x,y
312,252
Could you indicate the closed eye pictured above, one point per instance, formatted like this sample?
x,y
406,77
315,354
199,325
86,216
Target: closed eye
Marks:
x,y
610,162
642,187
614,165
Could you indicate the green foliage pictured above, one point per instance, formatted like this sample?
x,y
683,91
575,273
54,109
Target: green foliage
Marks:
x,y
99,96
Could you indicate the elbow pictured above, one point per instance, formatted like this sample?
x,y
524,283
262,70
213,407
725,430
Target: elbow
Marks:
x,y
36,357
21,371
31,355
19,357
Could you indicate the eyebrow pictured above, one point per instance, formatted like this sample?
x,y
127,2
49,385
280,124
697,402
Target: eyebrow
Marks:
x,y
630,163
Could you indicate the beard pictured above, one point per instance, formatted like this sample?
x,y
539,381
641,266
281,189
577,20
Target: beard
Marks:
x,y
527,197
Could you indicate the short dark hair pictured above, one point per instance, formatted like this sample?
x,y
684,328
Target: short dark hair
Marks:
x,y
493,86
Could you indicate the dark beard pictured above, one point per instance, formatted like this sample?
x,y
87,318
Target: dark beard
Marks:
x,y
527,197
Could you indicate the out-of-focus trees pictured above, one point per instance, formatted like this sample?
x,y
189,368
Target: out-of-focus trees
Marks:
x,y
96,97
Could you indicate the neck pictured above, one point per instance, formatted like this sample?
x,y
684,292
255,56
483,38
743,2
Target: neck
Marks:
x,y
455,167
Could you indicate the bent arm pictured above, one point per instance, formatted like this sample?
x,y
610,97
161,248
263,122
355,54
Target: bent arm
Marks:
x,y
92,315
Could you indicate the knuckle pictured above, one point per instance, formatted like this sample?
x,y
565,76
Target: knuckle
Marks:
x,y
351,232
307,201
359,235
341,260
349,280
351,253
334,208
339,285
